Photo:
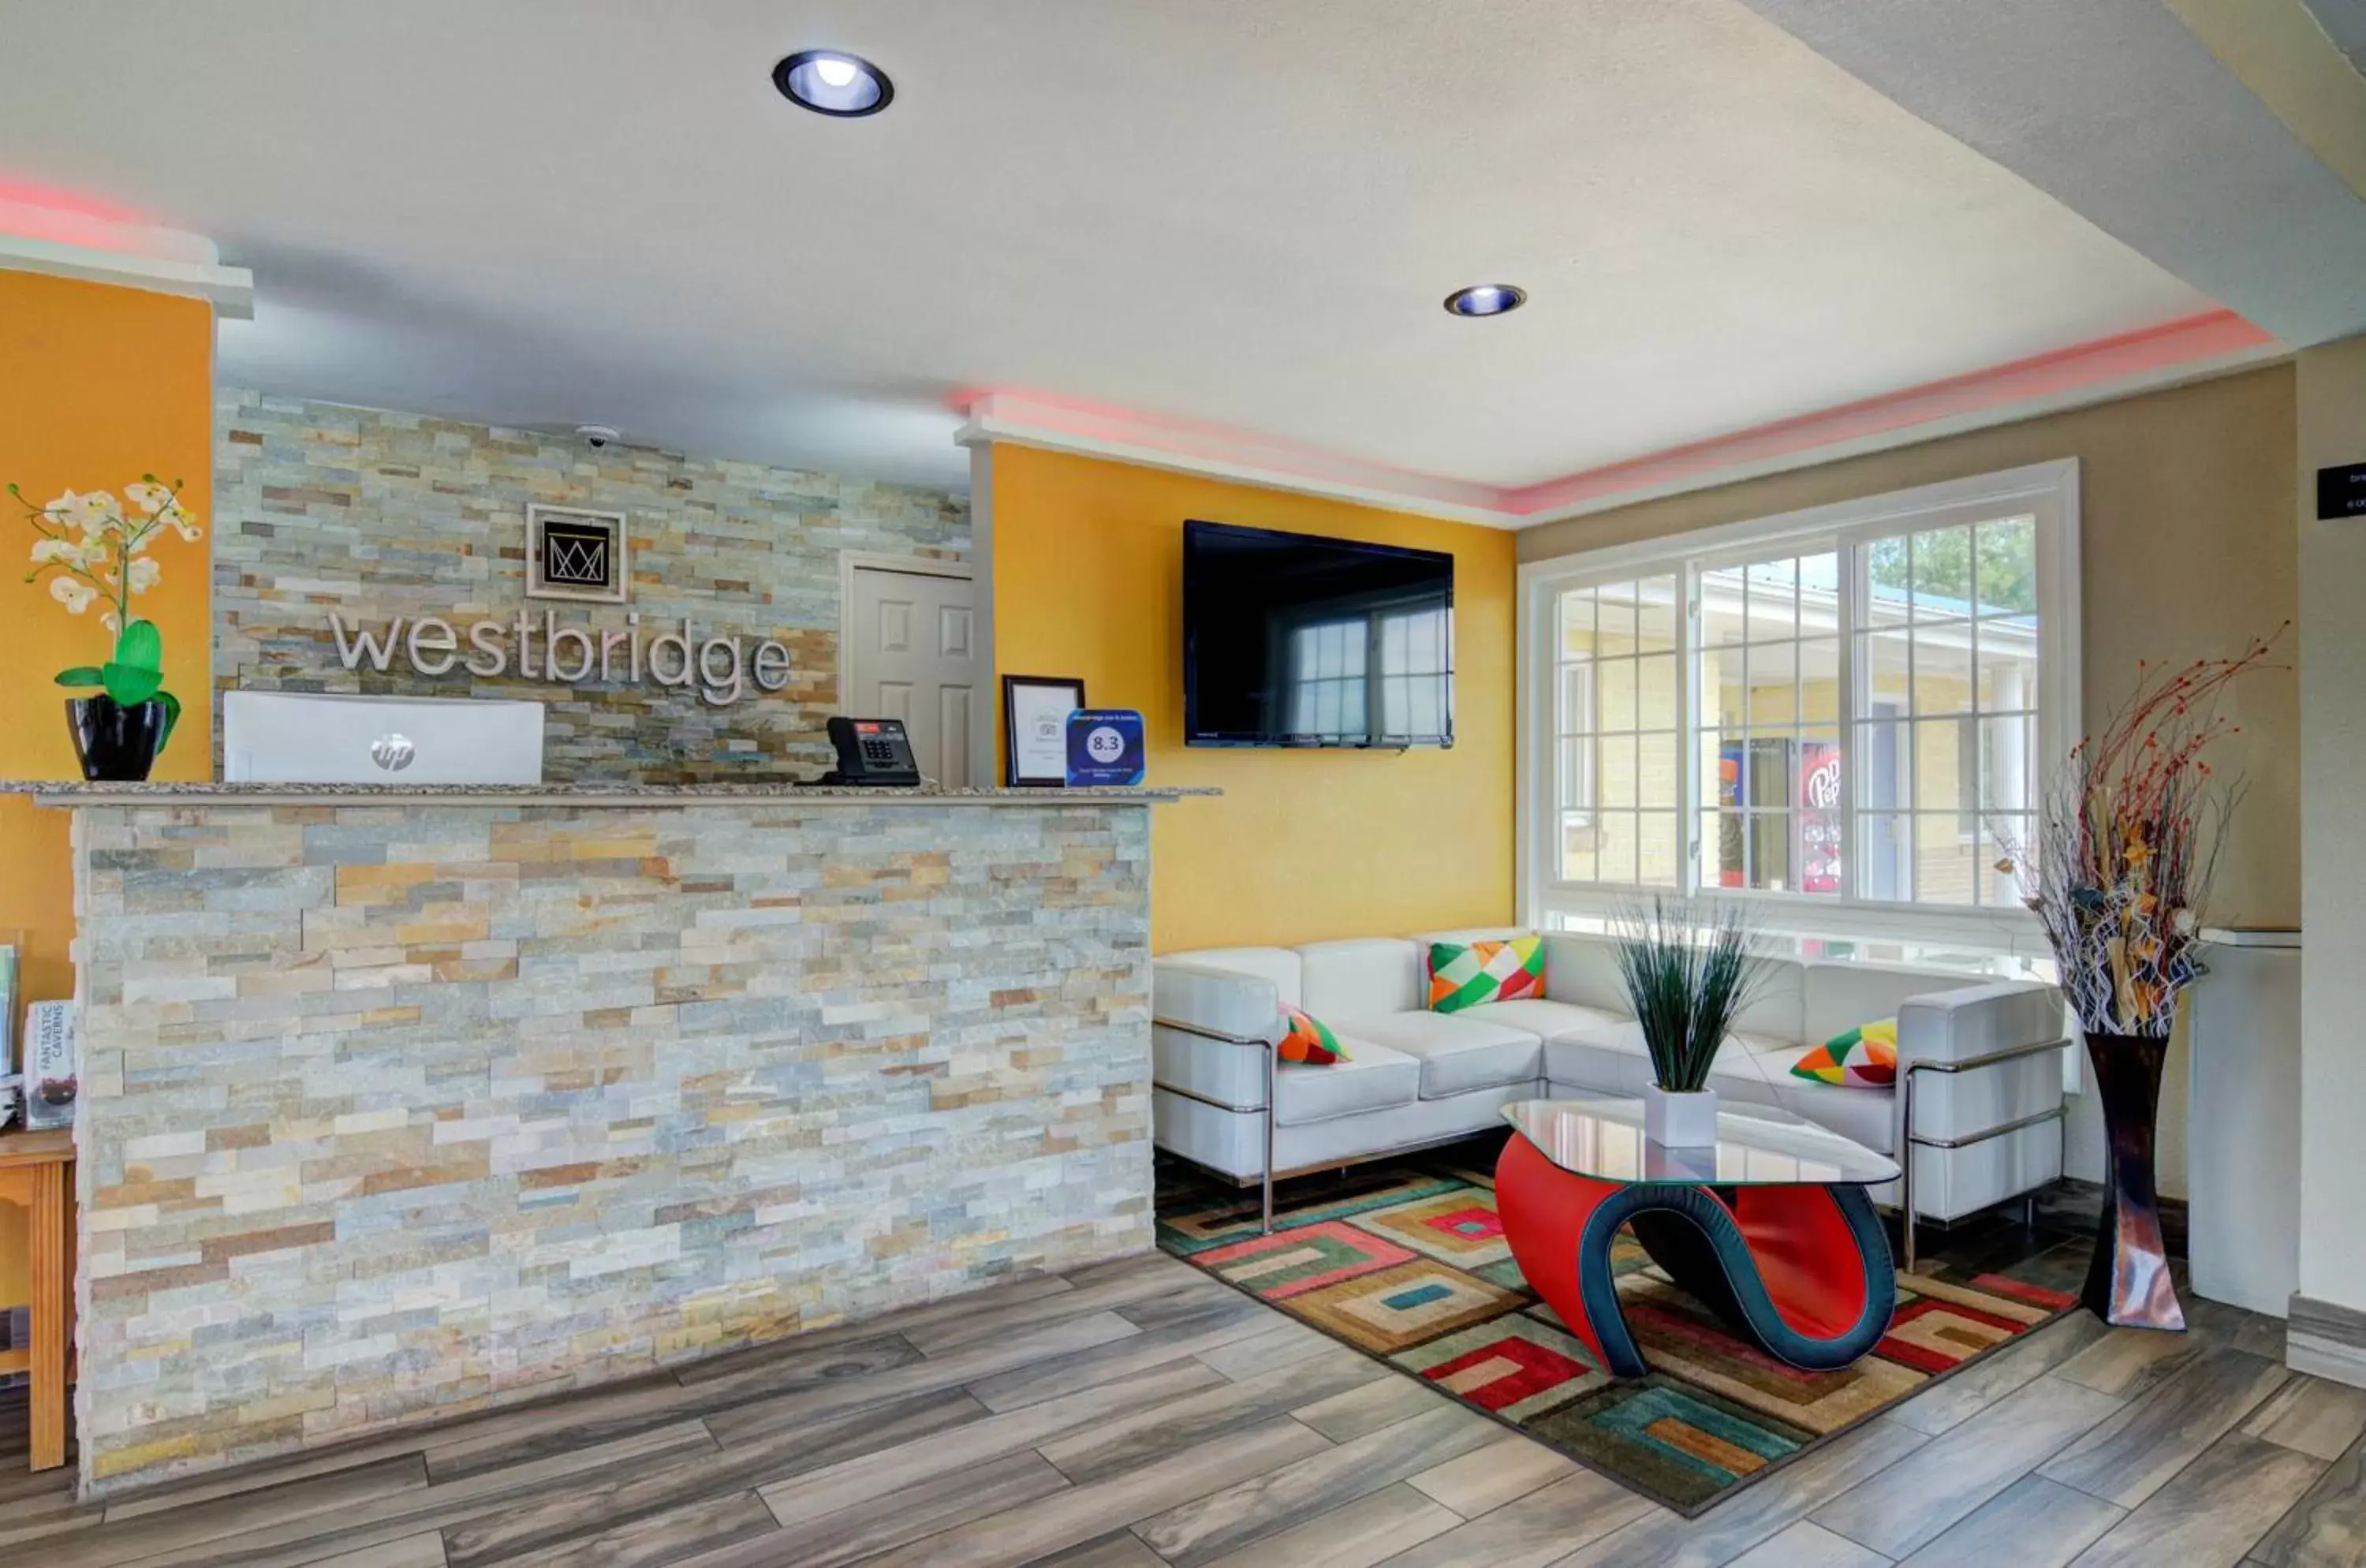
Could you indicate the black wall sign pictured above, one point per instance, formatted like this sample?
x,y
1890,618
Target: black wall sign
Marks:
x,y
575,555
2341,493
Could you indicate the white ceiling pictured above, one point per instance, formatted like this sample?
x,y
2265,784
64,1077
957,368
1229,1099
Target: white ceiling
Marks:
x,y
1237,212
2115,107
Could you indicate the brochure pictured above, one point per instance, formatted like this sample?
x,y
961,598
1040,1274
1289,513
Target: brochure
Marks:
x,y
51,1073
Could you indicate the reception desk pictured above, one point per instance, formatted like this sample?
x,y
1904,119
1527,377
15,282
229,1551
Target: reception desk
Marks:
x,y
402,1103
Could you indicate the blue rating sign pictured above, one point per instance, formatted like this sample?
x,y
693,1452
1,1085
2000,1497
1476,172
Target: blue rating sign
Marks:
x,y
1104,747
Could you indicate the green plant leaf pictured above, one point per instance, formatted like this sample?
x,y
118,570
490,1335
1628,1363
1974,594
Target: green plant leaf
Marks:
x,y
131,684
1689,972
141,646
82,675
172,717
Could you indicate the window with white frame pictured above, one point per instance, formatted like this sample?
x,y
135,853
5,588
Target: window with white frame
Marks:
x,y
1839,713
1619,740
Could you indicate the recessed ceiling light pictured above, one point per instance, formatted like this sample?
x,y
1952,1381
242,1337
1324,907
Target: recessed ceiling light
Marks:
x,y
830,82
1486,300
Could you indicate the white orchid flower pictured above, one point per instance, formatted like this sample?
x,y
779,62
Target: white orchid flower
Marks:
x,y
107,618
61,512
150,499
143,574
73,593
95,512
86,555
182,521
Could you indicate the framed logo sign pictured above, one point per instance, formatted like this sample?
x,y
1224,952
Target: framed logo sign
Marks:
x,y
574,554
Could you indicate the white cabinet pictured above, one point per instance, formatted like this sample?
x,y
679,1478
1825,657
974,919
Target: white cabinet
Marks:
x,y
2243,1120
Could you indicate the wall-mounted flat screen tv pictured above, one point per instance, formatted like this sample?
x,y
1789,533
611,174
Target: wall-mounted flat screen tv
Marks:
x,y
1289,639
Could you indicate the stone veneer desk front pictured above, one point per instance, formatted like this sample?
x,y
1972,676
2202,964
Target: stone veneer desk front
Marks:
x,y
397,1103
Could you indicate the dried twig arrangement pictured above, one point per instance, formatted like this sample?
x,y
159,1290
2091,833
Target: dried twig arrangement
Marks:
x,y
2127,842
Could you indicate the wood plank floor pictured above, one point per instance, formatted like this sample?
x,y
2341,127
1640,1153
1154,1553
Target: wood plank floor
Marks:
x,y
1140,1414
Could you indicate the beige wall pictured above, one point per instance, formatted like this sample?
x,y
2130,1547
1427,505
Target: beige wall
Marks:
x,y
2187,550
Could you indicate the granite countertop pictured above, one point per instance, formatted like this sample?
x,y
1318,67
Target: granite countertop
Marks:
x,y
67,794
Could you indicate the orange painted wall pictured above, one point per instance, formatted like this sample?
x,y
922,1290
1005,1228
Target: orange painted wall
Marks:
x,y
98,385
1304,845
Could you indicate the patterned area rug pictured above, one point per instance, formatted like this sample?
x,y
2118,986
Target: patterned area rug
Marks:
x,y
1409,1264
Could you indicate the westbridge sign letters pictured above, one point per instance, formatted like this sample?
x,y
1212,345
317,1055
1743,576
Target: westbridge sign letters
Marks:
x,y
719,667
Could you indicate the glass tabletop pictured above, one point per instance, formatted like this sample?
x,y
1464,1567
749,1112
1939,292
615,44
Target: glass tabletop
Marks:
x,y
1757,1146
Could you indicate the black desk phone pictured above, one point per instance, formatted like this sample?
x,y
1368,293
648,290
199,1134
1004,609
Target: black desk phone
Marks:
x,y
871,751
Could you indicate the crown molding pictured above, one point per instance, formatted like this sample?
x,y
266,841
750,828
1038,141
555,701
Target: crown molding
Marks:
x,y
130,255
2195,348
1053,425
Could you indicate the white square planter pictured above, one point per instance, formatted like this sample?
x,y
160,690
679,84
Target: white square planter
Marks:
x,y
1680,1120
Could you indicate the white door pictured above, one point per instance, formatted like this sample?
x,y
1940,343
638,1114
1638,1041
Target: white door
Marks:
x,y
911,653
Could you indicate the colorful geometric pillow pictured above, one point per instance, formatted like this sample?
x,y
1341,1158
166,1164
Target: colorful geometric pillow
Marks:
x,y
1310,1041
1463,974
1864,1057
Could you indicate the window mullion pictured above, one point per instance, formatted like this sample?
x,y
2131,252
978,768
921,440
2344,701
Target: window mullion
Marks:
x,y
1688,701
1550,817
1978,804
1913,725
1854,560
1744,797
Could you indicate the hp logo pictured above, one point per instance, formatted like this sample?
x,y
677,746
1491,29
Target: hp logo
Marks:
x,y
392,752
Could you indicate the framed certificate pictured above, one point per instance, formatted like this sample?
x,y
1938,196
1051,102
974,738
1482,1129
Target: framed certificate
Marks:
x,y
1035,710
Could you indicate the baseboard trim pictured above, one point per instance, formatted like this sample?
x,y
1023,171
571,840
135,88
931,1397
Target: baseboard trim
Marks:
x,y
2325,1340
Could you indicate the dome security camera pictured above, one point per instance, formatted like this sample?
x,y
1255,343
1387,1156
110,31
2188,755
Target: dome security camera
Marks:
x,y
599,437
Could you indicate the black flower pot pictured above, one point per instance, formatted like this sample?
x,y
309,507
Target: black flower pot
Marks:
x,y
116,744
2128,1282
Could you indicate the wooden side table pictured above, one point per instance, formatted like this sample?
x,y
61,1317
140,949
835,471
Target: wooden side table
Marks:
x,y
37,1171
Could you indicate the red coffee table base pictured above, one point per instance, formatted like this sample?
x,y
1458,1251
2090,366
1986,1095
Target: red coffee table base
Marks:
x,y
1801,1271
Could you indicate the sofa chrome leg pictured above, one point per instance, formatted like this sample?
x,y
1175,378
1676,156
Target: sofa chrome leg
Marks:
x,y
1906,1166
1268,1180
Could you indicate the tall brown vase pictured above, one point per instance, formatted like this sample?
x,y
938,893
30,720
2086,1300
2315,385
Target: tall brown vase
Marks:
x,y
2128,1282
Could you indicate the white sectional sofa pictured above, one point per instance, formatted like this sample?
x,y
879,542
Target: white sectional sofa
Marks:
x,y
1979,1065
